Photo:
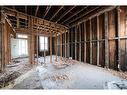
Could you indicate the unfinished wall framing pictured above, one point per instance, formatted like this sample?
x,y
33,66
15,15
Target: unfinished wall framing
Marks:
x,y
101,39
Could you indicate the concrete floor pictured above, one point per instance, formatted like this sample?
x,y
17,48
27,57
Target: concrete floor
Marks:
x,y
70,75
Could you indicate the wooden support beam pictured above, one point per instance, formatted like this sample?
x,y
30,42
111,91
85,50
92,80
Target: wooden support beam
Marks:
x,y
71,45
26,9
106,41
90,43
46,11
118,30
17,17
73,15
37,8
51,47
76,31
65,45
98,41
57,12
85,41
80,42
44,51
37,44
65,13
61,46
68,46
42,22
56,45
31,42
2,30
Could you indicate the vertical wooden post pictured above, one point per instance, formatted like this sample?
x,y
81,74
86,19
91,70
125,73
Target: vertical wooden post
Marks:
x,y
37,41
51,47
17,20
61,46
65,45
2,25
31,41
76,30
98,40
68,46
9,45
85,41
44,50
56,45
90,43
118,24
79,42
106,41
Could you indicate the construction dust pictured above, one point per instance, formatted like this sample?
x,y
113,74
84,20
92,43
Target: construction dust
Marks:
x,y
70,74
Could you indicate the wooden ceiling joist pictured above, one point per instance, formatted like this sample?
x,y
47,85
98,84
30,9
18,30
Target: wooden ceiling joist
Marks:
x,y
36,10
12,12
65,13
98,12
73,15
46,11
26,9
57,12
83,15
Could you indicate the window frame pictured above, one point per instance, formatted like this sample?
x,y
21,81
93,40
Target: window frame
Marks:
x,y
45,49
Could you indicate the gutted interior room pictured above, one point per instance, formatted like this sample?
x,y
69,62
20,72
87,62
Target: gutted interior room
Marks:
x,y
63,47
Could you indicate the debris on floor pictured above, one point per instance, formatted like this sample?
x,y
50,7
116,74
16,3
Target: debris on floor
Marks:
x,y
6,78
69,75
13,71
118,73
116,85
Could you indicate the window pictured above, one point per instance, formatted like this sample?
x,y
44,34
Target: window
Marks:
x,y
23,48
43,43
22,36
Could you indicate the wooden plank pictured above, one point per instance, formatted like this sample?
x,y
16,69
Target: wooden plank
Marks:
x,y
61,46
112,33
80,42
65,45
65,13
98,41
94,40
101,42
51,47
56,45
106,41
85,41
17,17
68,46
57,12
122,33
126,36
31,41
90,43
93,14
76,28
